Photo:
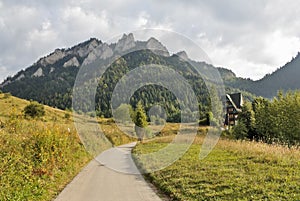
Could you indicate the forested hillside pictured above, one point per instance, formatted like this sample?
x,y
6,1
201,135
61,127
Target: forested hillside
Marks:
x,y
50,80
285,78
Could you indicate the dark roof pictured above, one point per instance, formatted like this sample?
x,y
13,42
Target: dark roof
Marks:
x,y
235,98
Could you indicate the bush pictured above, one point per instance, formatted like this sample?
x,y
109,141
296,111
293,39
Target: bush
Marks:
x,y
240,131
91,114
123,112
67,115
7,95
34,109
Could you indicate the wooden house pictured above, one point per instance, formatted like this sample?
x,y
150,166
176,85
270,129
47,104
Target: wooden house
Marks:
x,y
234,103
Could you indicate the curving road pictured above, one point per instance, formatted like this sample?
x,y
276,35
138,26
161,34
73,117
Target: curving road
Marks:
x,y
96,182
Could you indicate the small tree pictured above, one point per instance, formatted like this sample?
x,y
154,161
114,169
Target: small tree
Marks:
x,y
246,116
122,113
240,131
140,120
34,109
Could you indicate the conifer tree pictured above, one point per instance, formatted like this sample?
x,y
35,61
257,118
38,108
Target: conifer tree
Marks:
x,y
140,120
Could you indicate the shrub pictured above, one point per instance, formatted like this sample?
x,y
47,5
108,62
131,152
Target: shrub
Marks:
x,y
67,115
122,113
240,131
91,114
7,95
34,109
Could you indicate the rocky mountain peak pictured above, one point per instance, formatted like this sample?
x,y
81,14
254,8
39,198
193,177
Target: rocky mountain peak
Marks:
x,y
53,57
156,46
182,55
125,43
102,51
85,48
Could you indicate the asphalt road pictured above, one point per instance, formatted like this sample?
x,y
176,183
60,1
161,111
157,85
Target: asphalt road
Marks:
x,y
96,182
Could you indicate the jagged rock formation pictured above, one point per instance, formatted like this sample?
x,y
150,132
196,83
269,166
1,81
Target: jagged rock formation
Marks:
x,y
156,46
125,43
38,73
84,54
183,55
51,78
72,62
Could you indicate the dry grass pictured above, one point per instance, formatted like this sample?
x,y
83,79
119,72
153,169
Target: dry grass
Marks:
x,y
38,156
234,170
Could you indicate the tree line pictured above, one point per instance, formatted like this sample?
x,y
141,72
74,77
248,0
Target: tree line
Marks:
x,y
271,121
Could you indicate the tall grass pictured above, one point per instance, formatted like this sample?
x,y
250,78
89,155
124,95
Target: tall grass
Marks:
x,y
234,170
38,156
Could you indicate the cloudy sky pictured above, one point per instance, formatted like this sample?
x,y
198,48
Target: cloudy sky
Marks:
x,y
251,38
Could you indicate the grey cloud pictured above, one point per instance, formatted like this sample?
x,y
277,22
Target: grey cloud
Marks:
x,y
30,29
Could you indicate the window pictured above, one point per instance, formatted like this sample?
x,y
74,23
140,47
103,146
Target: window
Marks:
x,y
230,109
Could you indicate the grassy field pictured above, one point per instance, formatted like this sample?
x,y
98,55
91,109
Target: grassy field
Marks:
x,y
234,170
38,156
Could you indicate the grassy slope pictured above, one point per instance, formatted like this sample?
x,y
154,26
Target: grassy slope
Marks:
x,y
234,170
38,157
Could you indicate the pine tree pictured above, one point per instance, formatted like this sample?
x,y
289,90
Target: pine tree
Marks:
x,y
140,120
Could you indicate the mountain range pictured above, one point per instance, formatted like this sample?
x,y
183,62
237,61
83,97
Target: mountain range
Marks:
x,y
285,78
50,80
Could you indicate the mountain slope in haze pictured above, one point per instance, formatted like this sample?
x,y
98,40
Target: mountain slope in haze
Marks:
x,y
285,78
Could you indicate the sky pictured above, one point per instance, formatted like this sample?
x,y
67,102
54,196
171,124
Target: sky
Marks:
x,y
252,38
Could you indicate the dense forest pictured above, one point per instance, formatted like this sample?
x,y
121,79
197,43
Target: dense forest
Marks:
x,y
149,94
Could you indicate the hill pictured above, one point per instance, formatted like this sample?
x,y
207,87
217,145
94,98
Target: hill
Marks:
x,y
50,80
284,78
38,156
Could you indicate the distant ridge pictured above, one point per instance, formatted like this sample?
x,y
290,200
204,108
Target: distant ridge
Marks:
x,y
284,78
51,78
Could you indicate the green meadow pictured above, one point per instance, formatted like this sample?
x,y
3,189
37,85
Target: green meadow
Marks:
x,y
234,170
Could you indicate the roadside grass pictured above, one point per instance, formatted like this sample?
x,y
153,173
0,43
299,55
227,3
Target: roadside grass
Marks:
x,y
234,170
38,156
114,134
